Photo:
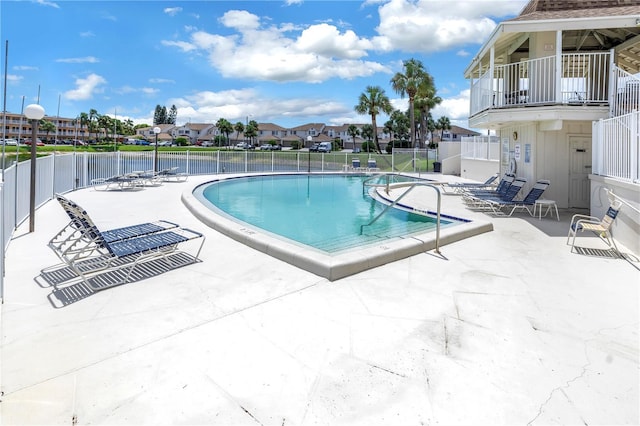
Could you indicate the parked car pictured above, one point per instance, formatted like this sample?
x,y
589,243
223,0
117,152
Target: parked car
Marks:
x,y
38,142
265,147
324,147
314,147
276,147
10,142
142,142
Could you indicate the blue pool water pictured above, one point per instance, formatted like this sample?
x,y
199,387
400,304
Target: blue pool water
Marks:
x,y
321,211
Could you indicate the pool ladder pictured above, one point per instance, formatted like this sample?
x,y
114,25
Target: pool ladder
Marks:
x,y
411,185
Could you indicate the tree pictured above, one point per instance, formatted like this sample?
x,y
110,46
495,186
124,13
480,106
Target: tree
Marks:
x,y
160,115
225,127
425,100
407,83
251,130
373,101
93,122
47,127
443,124
399,126
173,115
238,127
367,132
105,123
353,132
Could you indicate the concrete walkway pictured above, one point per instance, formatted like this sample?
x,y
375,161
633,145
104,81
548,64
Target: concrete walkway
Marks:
x,y
504,328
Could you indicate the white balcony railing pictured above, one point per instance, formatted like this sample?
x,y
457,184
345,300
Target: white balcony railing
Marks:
x,y
625,92
616,147
583,79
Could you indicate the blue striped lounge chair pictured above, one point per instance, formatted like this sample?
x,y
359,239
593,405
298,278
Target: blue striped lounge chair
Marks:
x,y
88,252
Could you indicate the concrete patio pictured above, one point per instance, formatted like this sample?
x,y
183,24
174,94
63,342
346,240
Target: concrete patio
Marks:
x,y
508,327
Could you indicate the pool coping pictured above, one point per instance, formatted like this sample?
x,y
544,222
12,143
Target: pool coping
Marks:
x,y
330,266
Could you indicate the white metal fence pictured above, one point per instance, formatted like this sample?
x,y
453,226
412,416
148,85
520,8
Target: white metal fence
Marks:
x,y
616,147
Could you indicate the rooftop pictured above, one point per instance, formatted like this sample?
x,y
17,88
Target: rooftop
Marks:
x,y
507,327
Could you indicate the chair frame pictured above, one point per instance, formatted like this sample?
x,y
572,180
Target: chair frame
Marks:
x,y
527,203
601,227
87,251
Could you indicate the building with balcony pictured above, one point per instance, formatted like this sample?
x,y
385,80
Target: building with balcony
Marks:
x,y
559,85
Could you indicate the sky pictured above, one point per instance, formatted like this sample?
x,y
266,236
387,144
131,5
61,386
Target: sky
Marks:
x,y
288,62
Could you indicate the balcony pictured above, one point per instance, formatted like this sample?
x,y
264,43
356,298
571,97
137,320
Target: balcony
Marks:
x,y
573,79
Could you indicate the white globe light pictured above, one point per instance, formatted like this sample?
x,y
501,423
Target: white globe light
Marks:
x,y
157,130
34,112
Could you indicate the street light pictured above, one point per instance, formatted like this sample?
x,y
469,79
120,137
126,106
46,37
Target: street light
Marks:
x,y
157,131
33,112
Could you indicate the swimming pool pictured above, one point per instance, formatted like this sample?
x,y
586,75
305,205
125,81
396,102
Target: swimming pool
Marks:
x,y
314,221
330,213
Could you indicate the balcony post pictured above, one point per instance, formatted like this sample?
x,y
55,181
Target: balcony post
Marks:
x,y
559,70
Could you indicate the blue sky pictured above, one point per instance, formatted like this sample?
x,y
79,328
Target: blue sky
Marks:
x,y
285,62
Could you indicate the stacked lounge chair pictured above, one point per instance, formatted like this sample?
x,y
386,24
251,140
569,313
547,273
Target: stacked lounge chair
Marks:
x,y
89,252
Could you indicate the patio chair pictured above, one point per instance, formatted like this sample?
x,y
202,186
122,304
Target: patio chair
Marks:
x,y
600,227
147,177
172,174
88,252
470,195
120,182
81,225
527,203
461,188
489,201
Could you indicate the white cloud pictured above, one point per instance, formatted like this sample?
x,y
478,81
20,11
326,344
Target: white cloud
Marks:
x,y
25,68
87,34
172,11
86,87
86,59
431,26
315,54
237,105
48,3
161,80
455,107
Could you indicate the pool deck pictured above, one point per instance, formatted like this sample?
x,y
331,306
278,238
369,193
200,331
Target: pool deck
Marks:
x,y
507,327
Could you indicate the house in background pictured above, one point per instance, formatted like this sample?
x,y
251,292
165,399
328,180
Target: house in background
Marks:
x,y
454,134
559,86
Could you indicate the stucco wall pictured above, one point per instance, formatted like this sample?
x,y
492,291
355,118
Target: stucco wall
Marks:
x,y
547,152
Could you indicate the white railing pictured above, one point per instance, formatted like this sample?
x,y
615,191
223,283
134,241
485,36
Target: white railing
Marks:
x,y
584,79
480,148
625,92
616,147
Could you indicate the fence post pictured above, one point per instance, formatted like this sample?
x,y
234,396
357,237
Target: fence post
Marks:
x,y
634,141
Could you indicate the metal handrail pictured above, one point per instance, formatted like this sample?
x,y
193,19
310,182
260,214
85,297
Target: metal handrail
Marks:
x,y
411,185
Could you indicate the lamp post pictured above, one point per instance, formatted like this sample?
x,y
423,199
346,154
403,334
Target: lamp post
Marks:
x,y
156,131
309,139
33,112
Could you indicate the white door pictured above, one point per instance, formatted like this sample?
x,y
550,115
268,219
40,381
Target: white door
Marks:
x,y
579,170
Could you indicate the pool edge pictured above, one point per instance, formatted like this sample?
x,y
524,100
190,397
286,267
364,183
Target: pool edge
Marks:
x,y
342,264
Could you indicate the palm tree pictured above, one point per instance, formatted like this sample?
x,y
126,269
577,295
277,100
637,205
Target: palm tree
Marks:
x,y
353,131
407,84
374,101
93,121
47,127
238,127
84,121
224,126
443,124
425,100
251,130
